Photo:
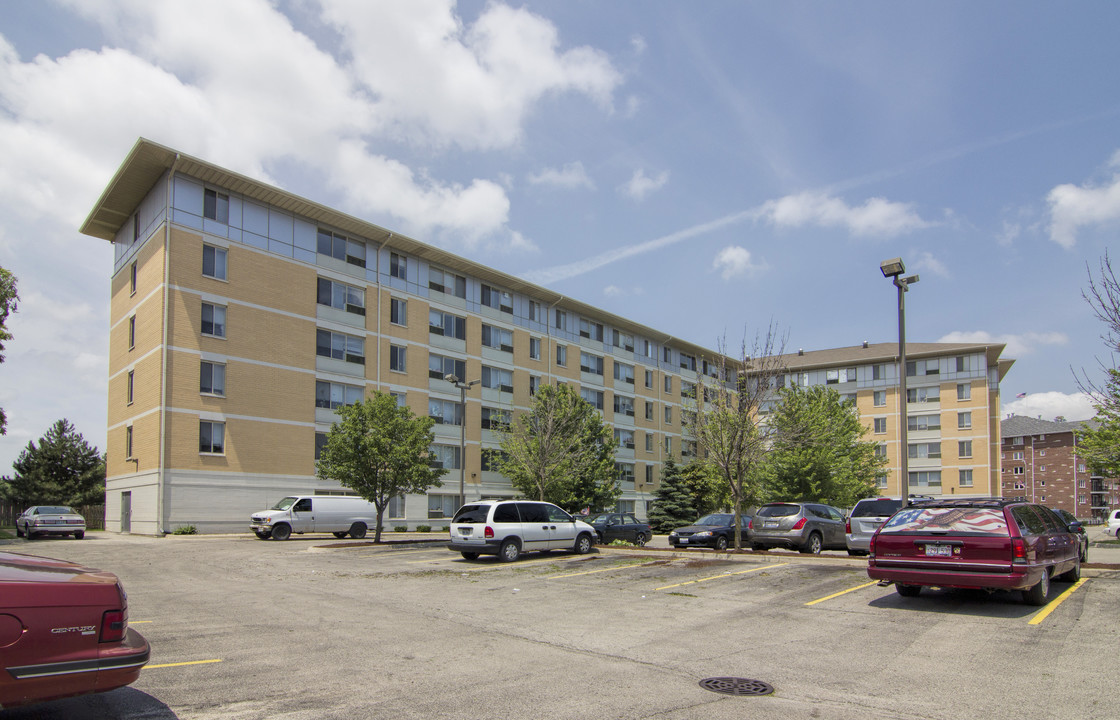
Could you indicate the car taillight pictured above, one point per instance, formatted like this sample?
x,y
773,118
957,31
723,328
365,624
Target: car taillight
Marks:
x,y
114,623
871,545
848,526
1018,550
488,532
750,523
800,524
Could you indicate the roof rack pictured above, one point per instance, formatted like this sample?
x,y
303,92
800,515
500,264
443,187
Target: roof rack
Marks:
x,y
965,502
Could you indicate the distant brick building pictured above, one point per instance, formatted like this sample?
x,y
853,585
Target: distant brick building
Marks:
x,y
1040,462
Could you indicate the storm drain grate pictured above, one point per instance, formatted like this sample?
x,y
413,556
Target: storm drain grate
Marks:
x,y
736,686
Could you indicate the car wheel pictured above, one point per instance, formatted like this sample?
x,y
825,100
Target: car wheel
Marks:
x,y
358,530
1073,574
79,535
470,555
813,544
642,539
339,535
30,535
281,531
262,535
721,543
583,544
1037,595
599,538
907,590
509,551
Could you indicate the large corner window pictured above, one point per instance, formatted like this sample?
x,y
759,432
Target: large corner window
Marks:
x,y
341,296
352,252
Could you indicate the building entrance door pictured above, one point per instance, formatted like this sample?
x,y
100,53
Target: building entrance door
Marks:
x,y
126,511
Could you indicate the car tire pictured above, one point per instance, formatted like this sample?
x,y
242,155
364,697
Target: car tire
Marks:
x,y
339,535
908,590
583,544
599,539
642,539
721,543
1073,574
470,555
281,531
358,530
262,535
813,545
510,551
79,535
1038,594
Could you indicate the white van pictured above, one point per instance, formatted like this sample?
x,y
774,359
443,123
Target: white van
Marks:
x,y
341,515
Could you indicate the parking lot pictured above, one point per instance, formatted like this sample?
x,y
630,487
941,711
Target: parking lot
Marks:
x,y
316,628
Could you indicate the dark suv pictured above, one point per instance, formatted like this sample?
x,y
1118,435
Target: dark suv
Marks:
x,y
984,543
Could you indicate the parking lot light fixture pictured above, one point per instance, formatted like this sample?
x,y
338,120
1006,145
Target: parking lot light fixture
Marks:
x,y
893,269
463,387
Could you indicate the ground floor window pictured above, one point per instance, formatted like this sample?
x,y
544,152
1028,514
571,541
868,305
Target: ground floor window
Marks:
x,y
442,506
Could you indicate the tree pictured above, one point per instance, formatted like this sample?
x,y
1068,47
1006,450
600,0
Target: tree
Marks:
x,y
726,421
9,300
1100,446
818,452
673,506
560,451
380,450
709,492
63,469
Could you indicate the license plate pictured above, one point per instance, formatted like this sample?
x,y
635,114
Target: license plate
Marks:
x,y
683,541
771,524
465,532
939,551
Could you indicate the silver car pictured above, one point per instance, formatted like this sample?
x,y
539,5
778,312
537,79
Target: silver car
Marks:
x,y
508,528
807,527
866,517
50,520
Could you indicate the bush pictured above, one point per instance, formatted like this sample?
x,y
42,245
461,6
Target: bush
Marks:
x,y
446,528
423,528
400,528
185,530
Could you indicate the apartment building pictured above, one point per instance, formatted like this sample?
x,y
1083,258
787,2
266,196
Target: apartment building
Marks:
x,y
1040,463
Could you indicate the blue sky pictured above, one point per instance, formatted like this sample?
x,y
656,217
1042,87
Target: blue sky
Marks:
x,y
703,168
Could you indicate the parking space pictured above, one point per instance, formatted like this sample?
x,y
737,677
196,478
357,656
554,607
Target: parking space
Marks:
x,y
249,629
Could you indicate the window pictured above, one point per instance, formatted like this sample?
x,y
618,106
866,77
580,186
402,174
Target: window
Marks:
x,y
212,378
649,410
534,384
1042,452
535,313
595,397
964,448
964,420
341,296
880,425
497,378
649,379
1042,468
211,437
445,412
923,394
332,395
923,422
881,482
398,266
492,459
668,383
926,478
649,442
561,319
401,398
340,346
352,252
131,332
880,398
624,405
624,438
320,443
960,363
497,338
497,299
878,372
625,472
131,378
440,366
1017,440
688,362
214,262
924,450
964,391
398,361
625,373
128,442
688,390
649,474
1018,455
589,363
445,456
215,205
647,349
213,320
534,348
132,279
964,478
562,355
668,414
398,311
834,377
668,445
622,340
442,506
447,325
495,419
880,450
447,282
1018,470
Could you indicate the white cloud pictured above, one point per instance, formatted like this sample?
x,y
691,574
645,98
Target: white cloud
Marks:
x,y
733,261
639,185
927,263
877,217
571,176
1052,405
1017,345
1076,206
614,291
1008,233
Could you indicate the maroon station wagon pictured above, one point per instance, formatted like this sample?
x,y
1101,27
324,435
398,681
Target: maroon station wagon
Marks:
x,y
984,543
63,631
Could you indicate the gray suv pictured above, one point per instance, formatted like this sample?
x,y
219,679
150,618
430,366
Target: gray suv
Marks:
x,y
808,527
507,528
866,517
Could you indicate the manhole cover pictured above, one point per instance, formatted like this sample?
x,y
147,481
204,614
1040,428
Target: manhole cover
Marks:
x,y
736,686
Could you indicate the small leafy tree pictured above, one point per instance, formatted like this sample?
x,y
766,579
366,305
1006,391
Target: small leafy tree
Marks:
x,y
818,452
1100,446
9,299
560,451
673,506
63,469
709,492
381,451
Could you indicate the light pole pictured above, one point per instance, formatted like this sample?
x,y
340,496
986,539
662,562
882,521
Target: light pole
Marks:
x,y
463,387
893,269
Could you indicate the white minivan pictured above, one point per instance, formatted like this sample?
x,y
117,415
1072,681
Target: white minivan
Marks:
x,y
341,515
507,528
1113,527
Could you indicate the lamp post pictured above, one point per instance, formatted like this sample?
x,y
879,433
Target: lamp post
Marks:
x,y
463,387
893,269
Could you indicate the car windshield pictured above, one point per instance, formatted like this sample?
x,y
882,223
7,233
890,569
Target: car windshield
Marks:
x,y
716,519
284,504
942,520
55,510
595,518
778,510
882,507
